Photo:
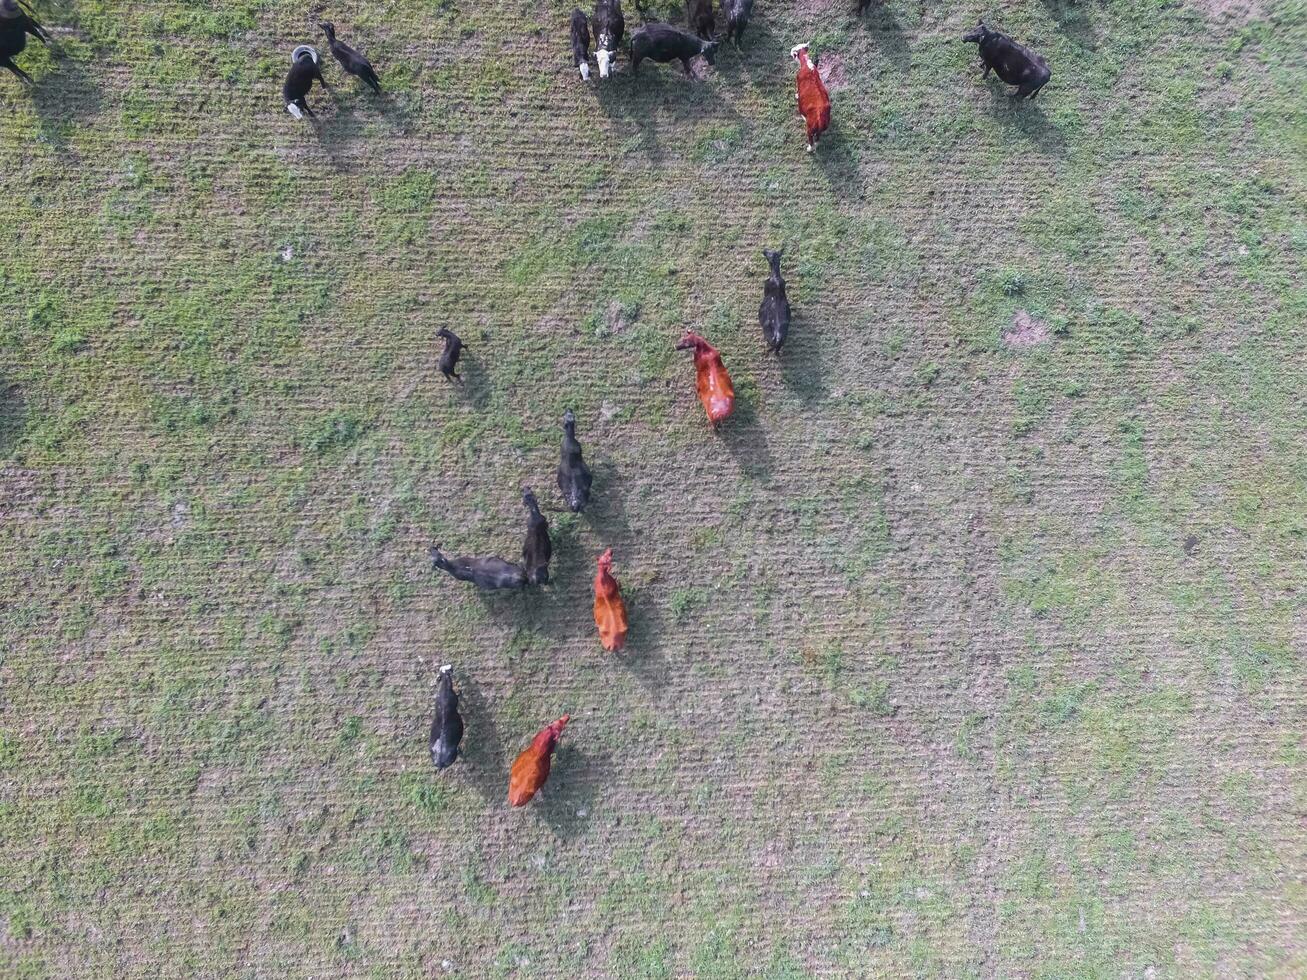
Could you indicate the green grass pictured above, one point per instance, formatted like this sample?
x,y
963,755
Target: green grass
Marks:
x,y
948,658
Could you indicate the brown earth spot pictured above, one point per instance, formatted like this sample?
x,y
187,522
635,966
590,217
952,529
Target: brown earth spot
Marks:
x,y
1025,331
831,69
1231,10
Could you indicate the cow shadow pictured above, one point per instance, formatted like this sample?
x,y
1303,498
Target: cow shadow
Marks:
x,y
756,60
482,760
746,440
607,508
641,656
1074,20
473,385
802,364
629,116
837,158
568,799
337,131
13,418
64,98
879,21
1027,117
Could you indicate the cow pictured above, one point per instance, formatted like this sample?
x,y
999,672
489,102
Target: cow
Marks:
x,y
485,573
774,313
350,60
814,100
574,477
609,26
536,548
450,355
737,14
1014,63
663,43
304,68
581,44
447,726
699,15
863,5
15,25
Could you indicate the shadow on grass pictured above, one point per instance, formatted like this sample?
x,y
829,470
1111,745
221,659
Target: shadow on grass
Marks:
x,y
1074,20
879,20
64,99
802,363
837,159
568,799
13,418
746,440
1026,117
482,761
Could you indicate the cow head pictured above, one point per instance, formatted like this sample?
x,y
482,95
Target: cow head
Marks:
x,y
709,51
978,34
605,55
304,51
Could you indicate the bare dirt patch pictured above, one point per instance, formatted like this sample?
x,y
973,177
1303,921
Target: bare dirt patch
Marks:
x,y
831,69
1026,331
1231,10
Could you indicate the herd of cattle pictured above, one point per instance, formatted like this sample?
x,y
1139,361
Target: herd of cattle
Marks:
x,y
661,43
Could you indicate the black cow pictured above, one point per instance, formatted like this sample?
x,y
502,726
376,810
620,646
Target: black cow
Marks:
x,y
450,355
774,313
485,573
581,44
609,26
737,14
699,15
304,68
536,548
447,727
574,477
15,25
862,6
350,60
1014,63
663,43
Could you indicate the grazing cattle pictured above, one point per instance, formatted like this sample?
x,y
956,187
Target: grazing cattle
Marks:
x,y
485,573
863,5
774,313
447,728
663,43
610,610
531,767
714,384
699,15
350,60
574,477
814,100
737,14
450,355
581,44
304,68
15,25
609,26
536,549
1014,63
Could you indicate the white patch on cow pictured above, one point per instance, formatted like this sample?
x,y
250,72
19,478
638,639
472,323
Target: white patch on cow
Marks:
x,y
585,71
294,110
446,668
605,62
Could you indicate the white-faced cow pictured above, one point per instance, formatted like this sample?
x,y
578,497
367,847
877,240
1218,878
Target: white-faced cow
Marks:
x,y
581,44
609,26
1014,63
304,68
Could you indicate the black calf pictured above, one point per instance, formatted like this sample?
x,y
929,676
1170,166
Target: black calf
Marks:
x,y
774,313
447,728
350,60
663,43
485,573
1014,63
450,355
573,475
15,25
536,549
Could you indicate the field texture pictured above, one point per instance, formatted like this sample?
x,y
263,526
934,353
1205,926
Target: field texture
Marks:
x,y
973,646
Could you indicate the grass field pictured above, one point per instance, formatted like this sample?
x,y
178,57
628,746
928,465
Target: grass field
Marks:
x,y
973,646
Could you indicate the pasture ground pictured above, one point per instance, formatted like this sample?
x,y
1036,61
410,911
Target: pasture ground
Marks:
x,y
973,646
